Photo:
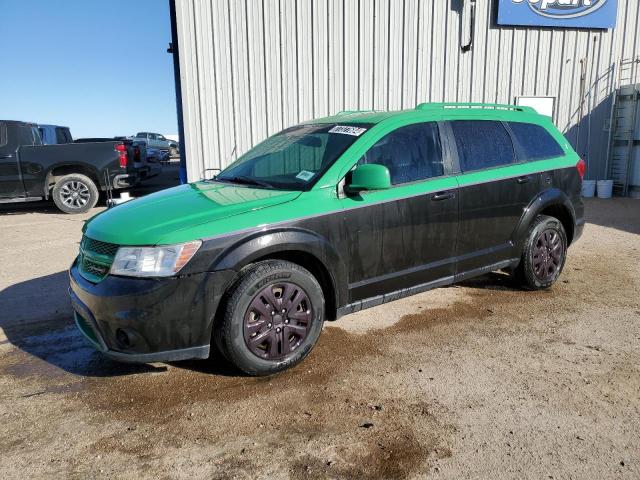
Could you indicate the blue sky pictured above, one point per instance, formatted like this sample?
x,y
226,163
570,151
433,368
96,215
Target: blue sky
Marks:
x,y
97,66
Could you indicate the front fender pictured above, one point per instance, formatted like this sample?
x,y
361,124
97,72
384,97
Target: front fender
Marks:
x,y
547,198
283,241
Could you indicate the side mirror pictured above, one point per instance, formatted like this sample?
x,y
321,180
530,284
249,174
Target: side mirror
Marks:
x,y
369,177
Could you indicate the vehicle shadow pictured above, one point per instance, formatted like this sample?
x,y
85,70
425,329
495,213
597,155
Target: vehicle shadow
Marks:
x,y
42,206
216,364
491,281
37,319
619,213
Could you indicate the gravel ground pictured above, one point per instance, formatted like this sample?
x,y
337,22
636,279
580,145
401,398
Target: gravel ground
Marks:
x,y
479,380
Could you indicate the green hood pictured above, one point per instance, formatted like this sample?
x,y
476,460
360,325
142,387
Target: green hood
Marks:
x,y
145,221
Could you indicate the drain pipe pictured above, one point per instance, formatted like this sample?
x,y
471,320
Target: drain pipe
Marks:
x,y
581,110
592,87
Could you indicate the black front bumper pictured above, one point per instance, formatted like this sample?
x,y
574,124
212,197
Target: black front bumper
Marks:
x,y
165,319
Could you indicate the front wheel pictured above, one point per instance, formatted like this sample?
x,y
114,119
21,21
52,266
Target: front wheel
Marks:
x,y
544,254
75,193
272,318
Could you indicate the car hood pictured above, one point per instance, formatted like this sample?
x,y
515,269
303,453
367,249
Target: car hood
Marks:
x,y
145,221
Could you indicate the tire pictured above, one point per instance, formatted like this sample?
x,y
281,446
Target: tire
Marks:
x,y
75,193
261,340
544,254
173,151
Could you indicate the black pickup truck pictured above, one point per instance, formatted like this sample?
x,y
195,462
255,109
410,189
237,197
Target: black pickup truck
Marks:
x,y
70,174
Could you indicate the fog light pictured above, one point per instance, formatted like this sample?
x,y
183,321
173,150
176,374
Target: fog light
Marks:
x,y
124,338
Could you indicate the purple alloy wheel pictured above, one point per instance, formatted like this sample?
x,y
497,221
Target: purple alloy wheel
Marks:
x,y
548,254
277,320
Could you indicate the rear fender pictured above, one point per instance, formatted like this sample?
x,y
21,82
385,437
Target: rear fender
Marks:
x,y
549,198
66,168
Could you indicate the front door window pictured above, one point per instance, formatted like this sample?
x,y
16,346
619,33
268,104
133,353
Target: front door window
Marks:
x,y
411,153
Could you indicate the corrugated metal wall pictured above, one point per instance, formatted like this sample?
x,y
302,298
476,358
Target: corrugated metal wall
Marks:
x,y
252,67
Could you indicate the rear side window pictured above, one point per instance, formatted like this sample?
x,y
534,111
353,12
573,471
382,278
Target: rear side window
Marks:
x,y
63,135
410,153
3,134
535,141
482,144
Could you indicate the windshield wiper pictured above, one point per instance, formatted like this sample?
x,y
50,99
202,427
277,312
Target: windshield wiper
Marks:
x,y
241,179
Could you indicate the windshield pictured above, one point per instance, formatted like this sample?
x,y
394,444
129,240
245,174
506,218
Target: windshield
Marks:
x,y
294,158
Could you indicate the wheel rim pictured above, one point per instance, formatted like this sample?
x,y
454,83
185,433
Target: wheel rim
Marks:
x,y
548,254
277,320
75,194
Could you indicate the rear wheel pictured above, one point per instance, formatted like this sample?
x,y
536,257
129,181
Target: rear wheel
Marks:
x,y
544,254
272,319
75,193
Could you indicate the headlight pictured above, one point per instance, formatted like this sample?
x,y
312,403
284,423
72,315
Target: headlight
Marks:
x,y
162,261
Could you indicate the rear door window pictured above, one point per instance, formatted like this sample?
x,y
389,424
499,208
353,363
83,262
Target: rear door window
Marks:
x,y
482,144
410,153
535,142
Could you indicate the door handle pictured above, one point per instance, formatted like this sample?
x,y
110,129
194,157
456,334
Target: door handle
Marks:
x,y
7,156
524,179
442,196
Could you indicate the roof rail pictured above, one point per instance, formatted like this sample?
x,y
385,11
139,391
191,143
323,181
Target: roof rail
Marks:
x,y
493,106
354,112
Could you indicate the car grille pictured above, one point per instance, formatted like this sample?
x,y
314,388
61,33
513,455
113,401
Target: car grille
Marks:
x,y
95,258
96,246
94,268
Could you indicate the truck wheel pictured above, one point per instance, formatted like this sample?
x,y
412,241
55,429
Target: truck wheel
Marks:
x,y
173,151
75,193
272,318
544,254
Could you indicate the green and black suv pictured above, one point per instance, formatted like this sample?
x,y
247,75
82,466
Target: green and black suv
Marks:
x,y
324,219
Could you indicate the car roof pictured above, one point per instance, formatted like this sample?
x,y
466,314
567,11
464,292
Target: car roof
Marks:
x,y
19,122
50,125
439,111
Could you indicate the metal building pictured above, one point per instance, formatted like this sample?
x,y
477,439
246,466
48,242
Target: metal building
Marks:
x,y
249,68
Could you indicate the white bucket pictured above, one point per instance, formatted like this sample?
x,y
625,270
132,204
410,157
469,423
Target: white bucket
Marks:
x,y
588,188
605,188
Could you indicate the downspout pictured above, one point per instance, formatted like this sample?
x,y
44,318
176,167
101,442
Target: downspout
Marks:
x,y
174,50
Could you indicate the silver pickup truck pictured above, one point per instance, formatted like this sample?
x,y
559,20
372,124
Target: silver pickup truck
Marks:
x,y
156,140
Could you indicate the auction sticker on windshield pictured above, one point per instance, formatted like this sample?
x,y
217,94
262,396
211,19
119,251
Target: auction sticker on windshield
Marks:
x,y
305,175
347,130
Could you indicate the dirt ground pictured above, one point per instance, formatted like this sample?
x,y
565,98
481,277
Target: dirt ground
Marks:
x,y
479,380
